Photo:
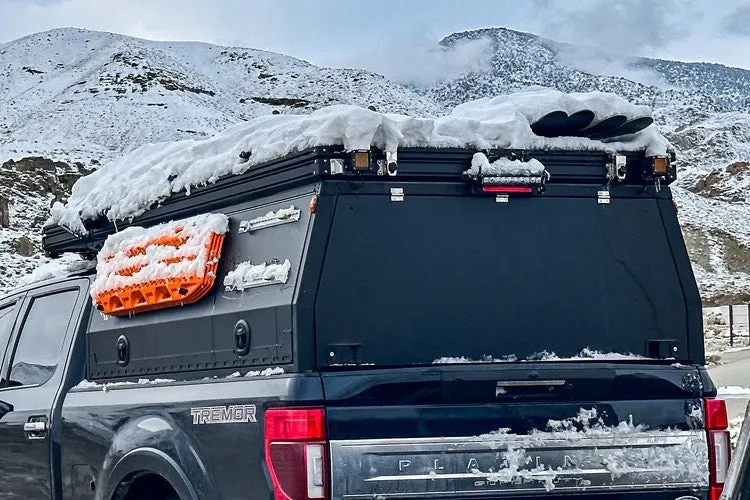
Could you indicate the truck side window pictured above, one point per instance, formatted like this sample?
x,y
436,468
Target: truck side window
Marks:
x,y
6,315
38,349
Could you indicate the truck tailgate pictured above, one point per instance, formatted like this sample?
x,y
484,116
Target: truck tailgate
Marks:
x,y
516,429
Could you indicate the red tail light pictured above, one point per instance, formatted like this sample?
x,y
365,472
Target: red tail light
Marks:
x,y
506,189
296,453
719,445
716,415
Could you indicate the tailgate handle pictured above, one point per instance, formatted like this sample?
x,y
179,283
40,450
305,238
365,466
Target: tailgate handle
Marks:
x,y
504,385
530,383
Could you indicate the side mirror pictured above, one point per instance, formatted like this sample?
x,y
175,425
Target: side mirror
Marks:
x,y
5,408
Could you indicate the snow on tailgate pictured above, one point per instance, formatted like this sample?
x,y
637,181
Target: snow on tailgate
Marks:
x,y
663,455
128,186
571,456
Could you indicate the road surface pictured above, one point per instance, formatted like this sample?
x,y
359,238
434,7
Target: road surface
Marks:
x,y
734,371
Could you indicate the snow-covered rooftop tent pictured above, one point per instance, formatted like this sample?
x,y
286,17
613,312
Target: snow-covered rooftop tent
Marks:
x,y
527,140
452,165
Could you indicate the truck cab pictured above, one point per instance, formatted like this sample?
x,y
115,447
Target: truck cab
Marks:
x,y
38,328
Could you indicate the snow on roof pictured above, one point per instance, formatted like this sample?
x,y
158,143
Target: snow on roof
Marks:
x,y
503,167
129,185
60,268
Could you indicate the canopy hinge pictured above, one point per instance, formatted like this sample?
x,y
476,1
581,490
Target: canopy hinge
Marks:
x,y
617,168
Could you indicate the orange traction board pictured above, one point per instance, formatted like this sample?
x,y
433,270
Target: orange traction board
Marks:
x,y
175,288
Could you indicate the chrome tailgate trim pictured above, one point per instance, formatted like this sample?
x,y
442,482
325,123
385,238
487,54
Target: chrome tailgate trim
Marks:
x,y
508,465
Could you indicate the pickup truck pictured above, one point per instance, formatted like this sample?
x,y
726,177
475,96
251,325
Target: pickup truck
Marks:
x,y
417,329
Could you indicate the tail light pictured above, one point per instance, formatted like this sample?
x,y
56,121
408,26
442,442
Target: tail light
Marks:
x,y
507,189
719,445
296,452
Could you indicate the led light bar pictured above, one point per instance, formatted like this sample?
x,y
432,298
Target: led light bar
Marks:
x,y
514,180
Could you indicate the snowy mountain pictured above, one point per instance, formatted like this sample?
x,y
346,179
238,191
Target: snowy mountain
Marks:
x,y
83,98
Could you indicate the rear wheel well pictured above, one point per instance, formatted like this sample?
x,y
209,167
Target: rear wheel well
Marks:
x,y
145,485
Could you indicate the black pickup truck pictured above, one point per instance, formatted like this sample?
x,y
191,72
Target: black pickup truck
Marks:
x,y
437,332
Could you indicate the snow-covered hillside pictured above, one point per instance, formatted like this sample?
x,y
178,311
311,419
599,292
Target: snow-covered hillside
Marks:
x,y
82,95
87,97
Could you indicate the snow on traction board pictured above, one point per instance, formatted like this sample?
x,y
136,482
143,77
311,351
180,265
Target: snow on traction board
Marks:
x,y
142,269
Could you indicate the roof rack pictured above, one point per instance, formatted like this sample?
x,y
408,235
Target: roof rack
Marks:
x,y
330,162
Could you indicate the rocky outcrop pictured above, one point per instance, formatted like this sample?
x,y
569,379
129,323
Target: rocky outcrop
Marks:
x,y
280,101
28,187
39,175
28,181
25,247
4,212
728,184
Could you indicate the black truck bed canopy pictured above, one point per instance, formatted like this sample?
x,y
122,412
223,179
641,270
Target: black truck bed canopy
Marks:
x,y
318,164
555,266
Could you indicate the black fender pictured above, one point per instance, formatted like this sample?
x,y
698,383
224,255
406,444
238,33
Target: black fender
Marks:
x,y
155,444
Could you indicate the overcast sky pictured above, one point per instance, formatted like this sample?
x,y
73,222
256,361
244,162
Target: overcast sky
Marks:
x,y
353,32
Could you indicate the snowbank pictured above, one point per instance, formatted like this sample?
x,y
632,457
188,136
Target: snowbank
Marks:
x,y
733,391
127,186
735,426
